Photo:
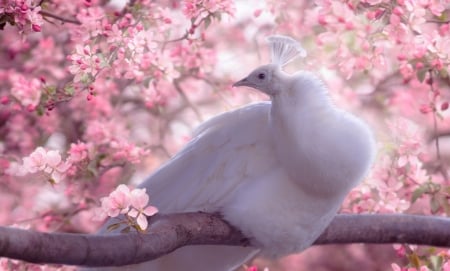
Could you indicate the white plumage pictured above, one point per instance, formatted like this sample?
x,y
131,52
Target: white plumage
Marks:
x,y
276,170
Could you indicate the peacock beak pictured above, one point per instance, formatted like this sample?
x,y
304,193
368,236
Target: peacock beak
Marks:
x,y
243,82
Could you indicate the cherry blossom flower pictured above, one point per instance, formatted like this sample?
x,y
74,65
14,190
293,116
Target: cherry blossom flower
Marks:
x,y
25,13
84,63
47,162
134,204
128,152
78,152
193,8
139,201
27,92
118,202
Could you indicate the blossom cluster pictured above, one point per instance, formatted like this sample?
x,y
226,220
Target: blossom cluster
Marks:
x,y
194,8
42,161
24,14
130,203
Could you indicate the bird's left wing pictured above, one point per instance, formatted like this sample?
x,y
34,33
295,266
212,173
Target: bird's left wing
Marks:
x,y
225,152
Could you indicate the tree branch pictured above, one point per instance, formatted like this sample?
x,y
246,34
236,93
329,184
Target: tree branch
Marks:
x,y
60,18
169,232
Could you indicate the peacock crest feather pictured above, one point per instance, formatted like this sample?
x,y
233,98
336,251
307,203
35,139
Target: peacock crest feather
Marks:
x,y
284,49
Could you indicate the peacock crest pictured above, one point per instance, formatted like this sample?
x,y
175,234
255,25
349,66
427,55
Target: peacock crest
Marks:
x,y
284,49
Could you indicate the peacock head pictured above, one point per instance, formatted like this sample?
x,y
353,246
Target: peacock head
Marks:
x,y
262,79
267,78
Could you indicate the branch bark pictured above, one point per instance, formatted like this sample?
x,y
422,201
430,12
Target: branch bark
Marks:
x,y
60,18
169,232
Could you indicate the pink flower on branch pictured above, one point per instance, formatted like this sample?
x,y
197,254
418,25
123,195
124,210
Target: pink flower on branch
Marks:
x,y
124,151
131,203
140,211
78,152
85,63
194,8
42,161
118,201
25,14
27,91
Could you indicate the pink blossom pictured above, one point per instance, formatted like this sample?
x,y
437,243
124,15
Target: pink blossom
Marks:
x,y
127,151
25,14
53,159
132,203
35,19
400,250
118,201
257,13
139,198
139,201
84,63
26,91
193,8
435,6
41,160
78,152
36,161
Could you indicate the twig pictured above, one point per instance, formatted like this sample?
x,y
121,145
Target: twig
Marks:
x,y
433,91
62,19
435,128
185,98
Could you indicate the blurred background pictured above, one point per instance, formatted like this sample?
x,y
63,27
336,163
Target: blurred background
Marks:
x,y
116,88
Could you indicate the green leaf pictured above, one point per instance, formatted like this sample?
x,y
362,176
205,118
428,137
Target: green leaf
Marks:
x,y
51,90
51,181
207,22
446,206
418,193
92,167
146,82
414,260
421,74
217,16
40,110
435,205
113,227
443,73
69,90
126,230
94,164
436,262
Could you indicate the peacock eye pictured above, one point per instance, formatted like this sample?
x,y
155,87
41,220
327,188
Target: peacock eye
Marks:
x,y
261,76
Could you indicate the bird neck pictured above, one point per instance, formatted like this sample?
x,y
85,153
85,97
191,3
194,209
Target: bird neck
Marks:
x,y
302,90
298,118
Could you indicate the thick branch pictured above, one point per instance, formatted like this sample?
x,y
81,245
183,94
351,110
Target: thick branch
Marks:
x,y
169,232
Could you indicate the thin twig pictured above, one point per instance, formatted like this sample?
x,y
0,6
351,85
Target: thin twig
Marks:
x,y
185,98
435,128
438,152
60,18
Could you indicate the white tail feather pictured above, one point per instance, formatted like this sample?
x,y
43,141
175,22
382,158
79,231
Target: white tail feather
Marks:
x,y
284,49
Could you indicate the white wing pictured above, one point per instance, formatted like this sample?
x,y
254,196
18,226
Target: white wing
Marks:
x,y
227,151
206,172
